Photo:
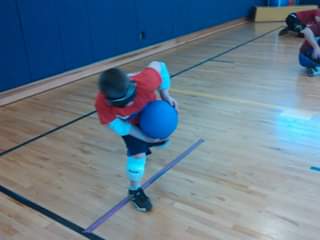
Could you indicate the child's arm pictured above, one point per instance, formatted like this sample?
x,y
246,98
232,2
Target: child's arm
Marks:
x,y
164,94
124,128
309,36
161,68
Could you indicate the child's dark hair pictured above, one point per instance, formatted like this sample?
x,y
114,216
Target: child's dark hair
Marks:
x,y
118,89
113,83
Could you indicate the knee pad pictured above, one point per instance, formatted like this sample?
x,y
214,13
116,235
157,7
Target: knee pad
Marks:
x,y
135,168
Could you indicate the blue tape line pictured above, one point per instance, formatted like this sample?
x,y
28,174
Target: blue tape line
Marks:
x,y
313,168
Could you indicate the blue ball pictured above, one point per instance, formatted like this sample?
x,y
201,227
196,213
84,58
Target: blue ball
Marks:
x,y
158,119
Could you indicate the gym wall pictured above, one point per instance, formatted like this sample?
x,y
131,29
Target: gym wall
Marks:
x,y
41,38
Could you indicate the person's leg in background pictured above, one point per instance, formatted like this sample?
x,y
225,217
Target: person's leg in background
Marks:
x,y
313,66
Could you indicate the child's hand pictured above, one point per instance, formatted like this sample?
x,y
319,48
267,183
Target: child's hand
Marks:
x,y
165,96
171,101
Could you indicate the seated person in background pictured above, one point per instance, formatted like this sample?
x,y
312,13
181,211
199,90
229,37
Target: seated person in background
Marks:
x,y
309,56
296,22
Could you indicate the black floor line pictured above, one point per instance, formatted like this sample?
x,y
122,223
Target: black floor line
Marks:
x,y
224,52
53,216
222,61
46,133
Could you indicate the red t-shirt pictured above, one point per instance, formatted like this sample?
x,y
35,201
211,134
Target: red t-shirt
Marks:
x,y
147,82
315,28
308,17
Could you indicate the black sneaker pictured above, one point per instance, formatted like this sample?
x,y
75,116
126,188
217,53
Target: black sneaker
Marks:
x,y
283,32
140,200
300,35
313,72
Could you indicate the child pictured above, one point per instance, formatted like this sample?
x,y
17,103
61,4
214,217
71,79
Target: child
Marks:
x,y
120,100
310,51
296,22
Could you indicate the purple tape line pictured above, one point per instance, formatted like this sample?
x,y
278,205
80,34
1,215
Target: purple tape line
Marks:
x,y
101,220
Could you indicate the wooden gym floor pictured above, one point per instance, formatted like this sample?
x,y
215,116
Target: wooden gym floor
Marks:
x,y
241,90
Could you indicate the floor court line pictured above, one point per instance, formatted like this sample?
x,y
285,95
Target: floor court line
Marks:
x,y
315,169
46,133
225,52
101,220
53,216
222,61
